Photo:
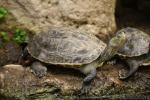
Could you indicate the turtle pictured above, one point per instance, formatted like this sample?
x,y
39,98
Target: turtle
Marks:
x,y
135,52
71,48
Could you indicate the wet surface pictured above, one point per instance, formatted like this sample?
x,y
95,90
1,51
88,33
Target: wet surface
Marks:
x,y
65,82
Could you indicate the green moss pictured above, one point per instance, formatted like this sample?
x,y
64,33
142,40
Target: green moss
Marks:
x,y
20,36
3,12
4,36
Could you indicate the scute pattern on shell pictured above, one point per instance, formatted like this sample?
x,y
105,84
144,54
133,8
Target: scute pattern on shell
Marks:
x,y
137,42
66,47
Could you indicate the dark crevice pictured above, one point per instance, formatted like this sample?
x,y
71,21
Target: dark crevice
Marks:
x,y
133,13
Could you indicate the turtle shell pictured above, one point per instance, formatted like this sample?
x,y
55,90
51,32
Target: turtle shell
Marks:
x,y
137,42
65,47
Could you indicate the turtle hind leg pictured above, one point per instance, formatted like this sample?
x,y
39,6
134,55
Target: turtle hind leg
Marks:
x,y
90,71
133,65
86,85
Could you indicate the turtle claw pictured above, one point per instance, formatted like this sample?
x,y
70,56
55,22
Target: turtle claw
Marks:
x,y
38,69
112,62
42,72
123,74
85,89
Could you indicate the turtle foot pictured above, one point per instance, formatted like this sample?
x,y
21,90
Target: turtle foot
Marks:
x,y
86,86
38,69
40,73
111,62
123,74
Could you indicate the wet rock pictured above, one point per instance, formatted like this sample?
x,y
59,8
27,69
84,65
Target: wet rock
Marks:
x,y
62,83
92,16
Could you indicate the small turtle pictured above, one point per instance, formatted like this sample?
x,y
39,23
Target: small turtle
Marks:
x,y
136,51
61,46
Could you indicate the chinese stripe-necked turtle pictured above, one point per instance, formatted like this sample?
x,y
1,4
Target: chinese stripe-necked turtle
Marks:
x,y
136,51
61,46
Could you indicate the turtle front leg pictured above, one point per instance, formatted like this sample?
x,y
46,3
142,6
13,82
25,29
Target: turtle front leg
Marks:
x,y
90,71
133,65
39,69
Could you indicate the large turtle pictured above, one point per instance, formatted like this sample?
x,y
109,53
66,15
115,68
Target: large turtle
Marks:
x,y
62,46
136,51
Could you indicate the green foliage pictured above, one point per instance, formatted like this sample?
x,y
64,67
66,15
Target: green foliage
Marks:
x,y
20,36
4,36
3,12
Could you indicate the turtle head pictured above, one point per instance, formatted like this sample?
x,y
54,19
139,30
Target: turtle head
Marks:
x,y
114,45
118,41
